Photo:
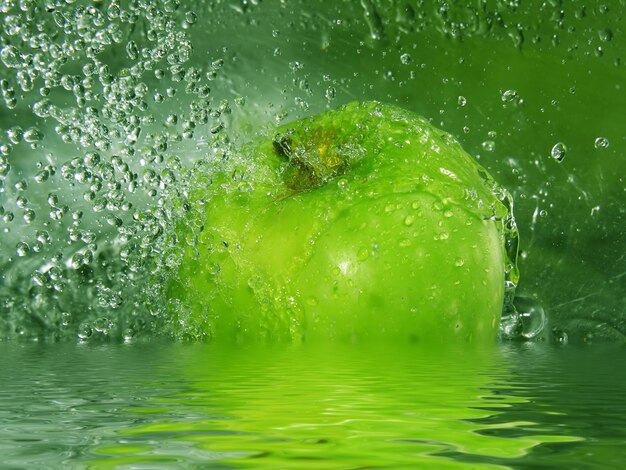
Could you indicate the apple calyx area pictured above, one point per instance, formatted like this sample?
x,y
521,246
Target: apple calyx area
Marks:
x,y
363,223
311,163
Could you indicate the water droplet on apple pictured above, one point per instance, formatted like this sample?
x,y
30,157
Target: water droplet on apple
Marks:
x,y
213,269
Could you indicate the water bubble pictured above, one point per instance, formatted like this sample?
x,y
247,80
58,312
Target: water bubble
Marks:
x,y
605,34
42,176
92,159
29,216
532,316
42,236
84,332
5,167
38,279
558,151
24,80
76,261
22,249
32,134
601,143
15,134
343,184
53,200
132,50
213,269
42,108
10,103
489,145
509,96
406,58
11,56
510,324
203,91
462,101
191,17
331,93
21,202
294,65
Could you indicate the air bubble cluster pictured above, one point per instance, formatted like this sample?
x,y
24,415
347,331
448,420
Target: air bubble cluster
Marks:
x,y
91,182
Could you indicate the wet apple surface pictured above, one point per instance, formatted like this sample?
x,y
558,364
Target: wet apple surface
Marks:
x,y
362,223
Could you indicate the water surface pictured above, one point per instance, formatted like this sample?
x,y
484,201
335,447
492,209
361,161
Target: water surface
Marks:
x,y
164,405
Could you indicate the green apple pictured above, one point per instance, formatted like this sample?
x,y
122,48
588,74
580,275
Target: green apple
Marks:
x,y
362,223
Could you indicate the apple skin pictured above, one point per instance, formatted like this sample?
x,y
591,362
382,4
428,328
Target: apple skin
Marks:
x,y
362,223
